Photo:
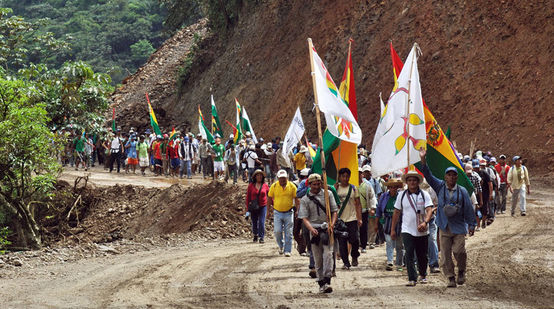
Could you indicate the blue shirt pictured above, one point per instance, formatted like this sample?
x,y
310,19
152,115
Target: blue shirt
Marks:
x,y
132,150
376,186
457,223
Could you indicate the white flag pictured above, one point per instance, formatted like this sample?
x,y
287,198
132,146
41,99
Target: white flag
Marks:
x,y
294,134
401,130
340,121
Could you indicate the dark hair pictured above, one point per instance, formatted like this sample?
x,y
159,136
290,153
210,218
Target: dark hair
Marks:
x,y
253,179
345,170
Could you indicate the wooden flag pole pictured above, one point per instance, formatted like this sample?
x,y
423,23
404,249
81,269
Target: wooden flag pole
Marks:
x,y
322,153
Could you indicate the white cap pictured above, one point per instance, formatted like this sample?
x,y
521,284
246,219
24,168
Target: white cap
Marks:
x,y
303,148
282,174
366,168
231,136
305,172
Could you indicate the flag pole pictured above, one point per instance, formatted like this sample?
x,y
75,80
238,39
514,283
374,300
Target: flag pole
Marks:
x,y
322,152
410,167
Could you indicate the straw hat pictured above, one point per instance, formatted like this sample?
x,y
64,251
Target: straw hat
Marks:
x,y
256,172
394,182
412,174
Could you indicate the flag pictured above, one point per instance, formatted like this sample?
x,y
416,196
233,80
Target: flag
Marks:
x,y
172,134
216,125
340,121
294,134
440,151
246,125
113,120
238,132
311,149
153,120
447,134
340,153
202,128
401,131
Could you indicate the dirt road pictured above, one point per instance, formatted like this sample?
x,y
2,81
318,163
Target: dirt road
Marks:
x,y
511,266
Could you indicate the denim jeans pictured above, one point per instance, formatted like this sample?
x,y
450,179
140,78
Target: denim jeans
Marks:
x,y
415,246
258,222
185,165
392,245
519,194
433,250
283,223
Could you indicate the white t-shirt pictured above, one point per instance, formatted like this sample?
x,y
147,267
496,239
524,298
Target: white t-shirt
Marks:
x,y
421,201
250,156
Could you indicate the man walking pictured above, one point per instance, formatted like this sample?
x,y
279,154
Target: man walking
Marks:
x,y
454,216
351,213
416,208
218,153
502,169
282,197
314,216
368,201
518,182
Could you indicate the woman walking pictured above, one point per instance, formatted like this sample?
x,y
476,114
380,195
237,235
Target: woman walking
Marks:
x,y
256,204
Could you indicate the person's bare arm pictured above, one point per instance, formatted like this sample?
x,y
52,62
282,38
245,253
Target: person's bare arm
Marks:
x,y
395,216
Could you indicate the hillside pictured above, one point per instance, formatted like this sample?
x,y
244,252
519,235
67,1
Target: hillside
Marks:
x,y
486,68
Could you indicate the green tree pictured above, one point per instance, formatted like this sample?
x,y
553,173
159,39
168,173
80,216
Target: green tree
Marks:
x,y
140,51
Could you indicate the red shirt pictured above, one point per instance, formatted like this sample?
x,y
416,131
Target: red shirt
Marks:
x,y
502,171
173,150
157,150
252,194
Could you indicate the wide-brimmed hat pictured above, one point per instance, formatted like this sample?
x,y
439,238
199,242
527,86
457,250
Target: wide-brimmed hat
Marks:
x,y
412,174
394,182
256,172
303,148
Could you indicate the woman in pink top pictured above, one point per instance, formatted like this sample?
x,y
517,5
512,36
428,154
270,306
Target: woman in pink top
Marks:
x,y
257,191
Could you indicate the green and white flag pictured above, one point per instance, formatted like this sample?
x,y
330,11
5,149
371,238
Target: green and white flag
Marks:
x,y
247,125
216,124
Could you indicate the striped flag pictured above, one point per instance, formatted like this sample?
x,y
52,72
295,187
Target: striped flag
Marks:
x,y
246,125
216,124
153,120
203,129
238,131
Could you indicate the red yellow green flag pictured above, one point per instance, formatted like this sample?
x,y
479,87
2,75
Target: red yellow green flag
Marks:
x,y
153,120
440,151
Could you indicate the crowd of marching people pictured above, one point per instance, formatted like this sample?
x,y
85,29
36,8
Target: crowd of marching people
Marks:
x,y
420,219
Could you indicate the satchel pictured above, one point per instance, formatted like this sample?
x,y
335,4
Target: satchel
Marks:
x,y
254,205
452,208
340,229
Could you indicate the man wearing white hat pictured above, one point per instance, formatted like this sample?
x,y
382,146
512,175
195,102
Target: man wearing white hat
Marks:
x,y
282,197
416,208
300,159
518,182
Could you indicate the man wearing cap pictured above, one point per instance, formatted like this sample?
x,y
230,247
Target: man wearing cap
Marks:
x,y
368,200
218,153
251,158
232,159
282,197
115,151
455,216
502,169
518,182
313,213
385,211
300,159
186,154
416,208
301,242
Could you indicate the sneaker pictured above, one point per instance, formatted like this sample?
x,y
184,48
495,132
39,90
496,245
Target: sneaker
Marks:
x,y
255,239
281,250
303,254
287,254
389,266
262,241
345,267
522,214
451,282
326,288
363,250
435,270
372,246
423,280
355,261
461,278
411,283
313,273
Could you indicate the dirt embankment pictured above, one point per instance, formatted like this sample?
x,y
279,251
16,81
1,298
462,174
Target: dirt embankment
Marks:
x,y
486,68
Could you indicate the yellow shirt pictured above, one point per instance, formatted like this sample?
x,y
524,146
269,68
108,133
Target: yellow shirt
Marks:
x,y
283,199
300,161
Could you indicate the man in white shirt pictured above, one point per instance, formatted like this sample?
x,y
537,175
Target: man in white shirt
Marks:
x,y
416,207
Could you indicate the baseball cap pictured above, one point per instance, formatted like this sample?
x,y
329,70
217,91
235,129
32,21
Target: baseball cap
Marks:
x,y
493,159
282,173
475,163
451,169
314,177
366,168
516,158
468,168
305,172
483,162
502,156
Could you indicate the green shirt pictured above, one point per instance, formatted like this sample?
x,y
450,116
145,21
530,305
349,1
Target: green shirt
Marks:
x,y
219,151
143,150
79,144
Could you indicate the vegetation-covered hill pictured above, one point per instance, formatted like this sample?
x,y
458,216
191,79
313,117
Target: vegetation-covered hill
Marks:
x,y
113,36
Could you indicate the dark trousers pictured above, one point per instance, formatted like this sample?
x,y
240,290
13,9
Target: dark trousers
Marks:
x,y
115,157
380,239
363,230
298,236
353,239
415,246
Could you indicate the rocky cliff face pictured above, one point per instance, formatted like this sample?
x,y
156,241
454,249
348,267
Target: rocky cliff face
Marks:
x,y
486,69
